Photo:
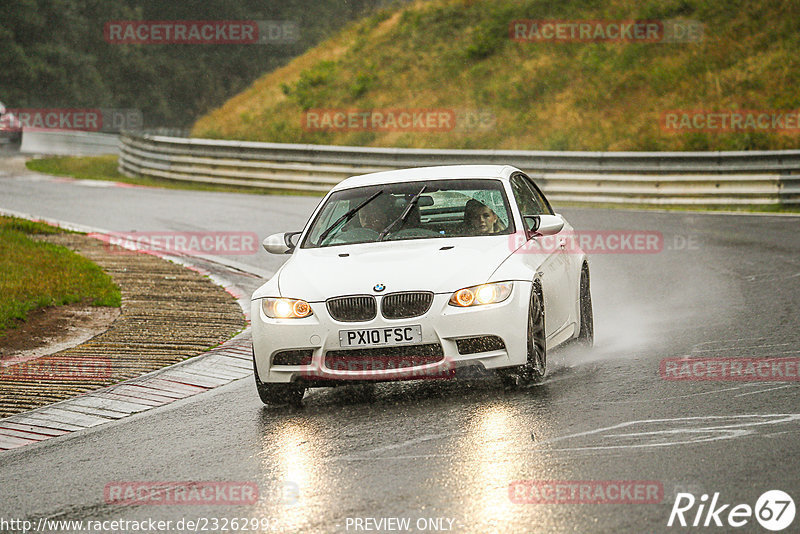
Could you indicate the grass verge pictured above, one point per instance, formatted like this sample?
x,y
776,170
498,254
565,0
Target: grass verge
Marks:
x,y
105,168
35,274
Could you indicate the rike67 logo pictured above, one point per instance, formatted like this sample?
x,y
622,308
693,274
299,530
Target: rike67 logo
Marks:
x,y
774,510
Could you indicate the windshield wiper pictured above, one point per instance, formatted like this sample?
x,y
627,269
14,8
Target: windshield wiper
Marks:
x,y
404,215
346,217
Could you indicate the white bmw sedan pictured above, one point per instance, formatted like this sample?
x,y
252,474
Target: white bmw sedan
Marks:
x,y
420,273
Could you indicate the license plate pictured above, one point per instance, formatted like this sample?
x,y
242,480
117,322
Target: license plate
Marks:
x,y
376,337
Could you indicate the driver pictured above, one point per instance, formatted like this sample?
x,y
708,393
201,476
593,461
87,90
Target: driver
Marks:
x,y
480,219
377,214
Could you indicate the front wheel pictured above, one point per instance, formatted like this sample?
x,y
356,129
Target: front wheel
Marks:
x,y
276,394
534,369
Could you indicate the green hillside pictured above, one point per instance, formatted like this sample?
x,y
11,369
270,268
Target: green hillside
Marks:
x,y
53,54
457,56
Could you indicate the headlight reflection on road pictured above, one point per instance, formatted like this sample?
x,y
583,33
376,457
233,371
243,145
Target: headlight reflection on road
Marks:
x,y
494,455
294,479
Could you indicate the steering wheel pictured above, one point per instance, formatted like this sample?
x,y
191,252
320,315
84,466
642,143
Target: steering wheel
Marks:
x,y
354,235
412,232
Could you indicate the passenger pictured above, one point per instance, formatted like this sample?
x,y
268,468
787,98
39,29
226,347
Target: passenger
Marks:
x,y
480,219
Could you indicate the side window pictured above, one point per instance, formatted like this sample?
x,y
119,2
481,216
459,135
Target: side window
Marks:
x,y
526,200
539,196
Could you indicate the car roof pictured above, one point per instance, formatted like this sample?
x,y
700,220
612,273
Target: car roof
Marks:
x,y
443,172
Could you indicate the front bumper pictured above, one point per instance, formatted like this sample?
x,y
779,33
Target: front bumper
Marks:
x,y
442,324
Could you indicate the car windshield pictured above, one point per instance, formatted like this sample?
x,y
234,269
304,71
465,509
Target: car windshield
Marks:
x,y
446,208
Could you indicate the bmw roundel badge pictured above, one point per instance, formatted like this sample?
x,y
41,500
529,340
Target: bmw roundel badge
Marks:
x,y
379,287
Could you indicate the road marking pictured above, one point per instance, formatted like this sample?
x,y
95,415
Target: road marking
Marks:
x,y
739,347
638,401
732,340
763,390
669,435
409,442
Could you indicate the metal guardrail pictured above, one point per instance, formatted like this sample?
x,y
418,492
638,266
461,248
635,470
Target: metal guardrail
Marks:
x,y
660,178
68,143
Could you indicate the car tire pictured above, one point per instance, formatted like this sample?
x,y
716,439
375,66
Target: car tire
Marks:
x,y
277,394
586,329
533,371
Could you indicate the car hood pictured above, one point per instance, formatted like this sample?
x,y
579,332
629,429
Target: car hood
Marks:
x,y
438,265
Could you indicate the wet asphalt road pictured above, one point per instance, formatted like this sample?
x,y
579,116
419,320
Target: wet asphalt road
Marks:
x,y
724,286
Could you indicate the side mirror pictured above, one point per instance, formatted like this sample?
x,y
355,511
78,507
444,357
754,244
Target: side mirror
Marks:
x,y
280,243
543,224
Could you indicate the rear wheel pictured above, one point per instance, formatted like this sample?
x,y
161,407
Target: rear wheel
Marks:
x,y
276,394
586,330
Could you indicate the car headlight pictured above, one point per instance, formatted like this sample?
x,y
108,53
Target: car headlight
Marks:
x,y
482,294
279,308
